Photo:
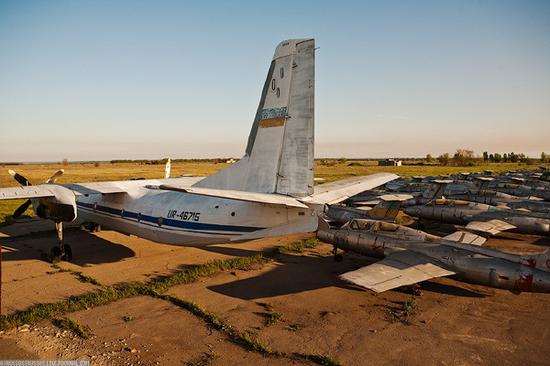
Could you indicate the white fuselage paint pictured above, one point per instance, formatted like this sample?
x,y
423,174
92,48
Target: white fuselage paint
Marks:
x,y
181,218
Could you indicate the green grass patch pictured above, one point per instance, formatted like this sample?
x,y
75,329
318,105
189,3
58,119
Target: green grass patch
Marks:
x,y
207,269
272,318
299,246
58,269
266,305
73,326
83,278
405,313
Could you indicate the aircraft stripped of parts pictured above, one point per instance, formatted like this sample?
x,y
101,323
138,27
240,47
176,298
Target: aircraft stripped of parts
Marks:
x,y
269,192
411,256
457,201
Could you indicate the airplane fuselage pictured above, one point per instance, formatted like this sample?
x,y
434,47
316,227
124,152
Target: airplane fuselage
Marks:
x,y
181,218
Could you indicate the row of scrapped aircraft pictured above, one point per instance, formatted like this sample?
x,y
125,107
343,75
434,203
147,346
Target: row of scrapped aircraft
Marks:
x,y
484,203
268,192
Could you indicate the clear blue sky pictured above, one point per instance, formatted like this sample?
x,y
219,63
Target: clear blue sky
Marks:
x,y
147,79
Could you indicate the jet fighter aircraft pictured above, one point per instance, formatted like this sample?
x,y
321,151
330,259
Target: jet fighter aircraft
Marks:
x,y
407,260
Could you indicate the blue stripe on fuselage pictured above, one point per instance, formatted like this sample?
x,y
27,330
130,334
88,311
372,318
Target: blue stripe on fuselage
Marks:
x,y
168,222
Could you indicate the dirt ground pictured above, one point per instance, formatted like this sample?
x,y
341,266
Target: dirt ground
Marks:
x,y
293,304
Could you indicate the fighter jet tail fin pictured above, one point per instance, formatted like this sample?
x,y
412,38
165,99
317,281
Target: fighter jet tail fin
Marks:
x,y
436,189
385,210
279,154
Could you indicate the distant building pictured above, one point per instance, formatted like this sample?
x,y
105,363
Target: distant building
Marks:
x,y
389,162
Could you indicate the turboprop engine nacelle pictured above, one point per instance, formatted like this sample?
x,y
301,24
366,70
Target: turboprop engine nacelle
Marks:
x,y
61,207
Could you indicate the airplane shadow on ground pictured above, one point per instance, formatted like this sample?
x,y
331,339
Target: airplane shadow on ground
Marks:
x,y
295,274
86,248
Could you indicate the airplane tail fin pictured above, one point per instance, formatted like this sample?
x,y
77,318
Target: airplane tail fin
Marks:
x,y
436,189
167,169
279,153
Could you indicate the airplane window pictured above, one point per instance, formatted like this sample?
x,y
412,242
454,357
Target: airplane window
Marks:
x,y
273,84
282,73
232,213
122,213
139,217
278,92
160,221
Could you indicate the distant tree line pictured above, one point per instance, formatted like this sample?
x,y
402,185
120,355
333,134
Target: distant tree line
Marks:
x,y
165,160
465,157
505,158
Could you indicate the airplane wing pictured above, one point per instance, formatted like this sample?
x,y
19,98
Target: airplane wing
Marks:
x,y
492,227
25,192
464,237
341,190
396,270
272,199
122,186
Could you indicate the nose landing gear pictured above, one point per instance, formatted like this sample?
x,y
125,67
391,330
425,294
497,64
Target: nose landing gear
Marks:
x,y
61,251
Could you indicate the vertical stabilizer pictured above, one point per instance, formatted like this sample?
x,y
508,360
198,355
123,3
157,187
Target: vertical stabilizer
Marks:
x,y
279,153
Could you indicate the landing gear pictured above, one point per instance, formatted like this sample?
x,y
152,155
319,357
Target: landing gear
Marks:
x,y
61,251
338,257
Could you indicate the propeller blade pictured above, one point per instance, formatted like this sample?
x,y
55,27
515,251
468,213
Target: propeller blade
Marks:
x,y
19,178
21,209
56,175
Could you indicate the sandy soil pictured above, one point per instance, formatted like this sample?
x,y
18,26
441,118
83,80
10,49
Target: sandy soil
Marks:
x,y
453,324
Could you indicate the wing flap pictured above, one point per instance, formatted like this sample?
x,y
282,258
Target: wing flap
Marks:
x,y
398,269
266,198
492,227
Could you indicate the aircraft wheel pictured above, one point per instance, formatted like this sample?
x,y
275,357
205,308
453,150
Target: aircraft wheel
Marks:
x,y
68,253
338,257
55,254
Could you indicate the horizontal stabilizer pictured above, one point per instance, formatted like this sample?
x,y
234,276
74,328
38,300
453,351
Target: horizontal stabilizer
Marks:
x,y
466,238
341,190
492,227
266,198
398,269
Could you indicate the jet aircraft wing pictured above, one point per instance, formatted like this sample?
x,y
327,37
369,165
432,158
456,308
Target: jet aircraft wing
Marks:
x,y
266,198
398,269
464,237
492,227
